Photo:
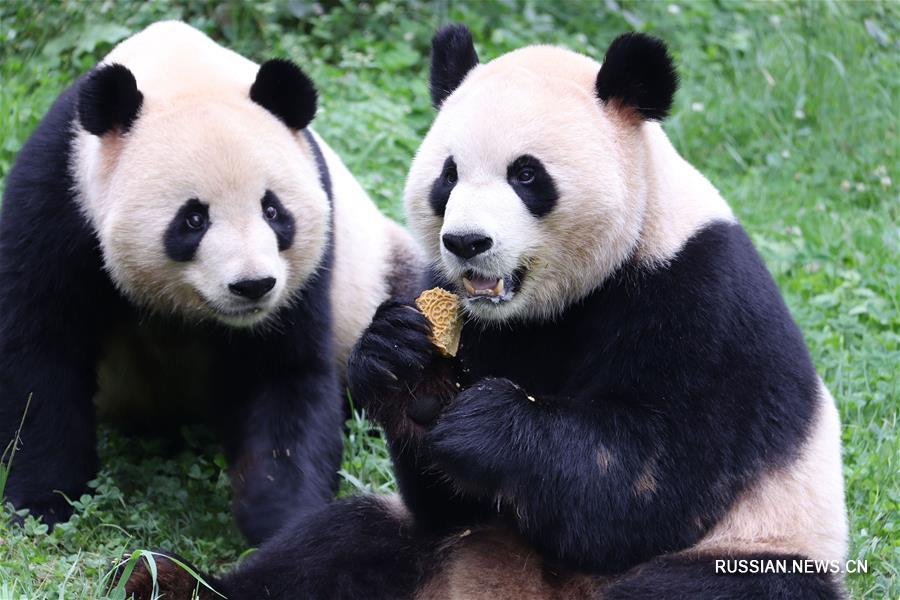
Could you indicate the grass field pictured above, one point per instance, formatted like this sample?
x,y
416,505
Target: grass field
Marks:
x,y
790,109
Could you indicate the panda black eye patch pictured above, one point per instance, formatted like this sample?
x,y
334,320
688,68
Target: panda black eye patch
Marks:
x,y
442,186
186,230
533,184
279,219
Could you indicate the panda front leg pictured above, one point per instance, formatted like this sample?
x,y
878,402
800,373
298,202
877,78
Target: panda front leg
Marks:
x,y
361,547
283,445
54,454
55,306
280,412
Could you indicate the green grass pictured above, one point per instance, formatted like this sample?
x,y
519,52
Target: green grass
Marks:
x,y
790,109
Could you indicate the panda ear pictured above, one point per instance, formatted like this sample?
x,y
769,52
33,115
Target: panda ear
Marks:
x,y
452,57
638,74
108,99
283,89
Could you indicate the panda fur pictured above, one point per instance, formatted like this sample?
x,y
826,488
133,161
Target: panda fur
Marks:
x,y
102,277
634,403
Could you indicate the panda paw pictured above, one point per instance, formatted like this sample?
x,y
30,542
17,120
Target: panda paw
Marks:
x,y
390,359
171,579
479,436
53,510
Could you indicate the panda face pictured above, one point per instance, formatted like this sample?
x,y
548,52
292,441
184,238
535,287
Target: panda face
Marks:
x,y
524,191
207,209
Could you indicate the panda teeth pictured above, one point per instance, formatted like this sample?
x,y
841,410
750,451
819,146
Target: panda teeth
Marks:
x,y
496,290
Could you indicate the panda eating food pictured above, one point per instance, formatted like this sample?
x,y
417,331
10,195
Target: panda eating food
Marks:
x,y
175,229
630,401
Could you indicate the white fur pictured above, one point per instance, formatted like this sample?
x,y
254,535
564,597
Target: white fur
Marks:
x,y
624,190
199,135
491,563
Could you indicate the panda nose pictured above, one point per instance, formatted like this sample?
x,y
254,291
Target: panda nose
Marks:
x,y
252,289
467,246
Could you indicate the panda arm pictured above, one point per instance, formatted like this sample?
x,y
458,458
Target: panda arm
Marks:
x,y
579,483
55,305
392,369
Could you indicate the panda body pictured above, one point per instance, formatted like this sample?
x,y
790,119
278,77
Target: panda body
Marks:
x,y
678,275
174,231
631,400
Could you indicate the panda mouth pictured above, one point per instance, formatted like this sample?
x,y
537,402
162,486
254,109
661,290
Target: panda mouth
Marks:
x,y
236,315
241,312
477,285
480,287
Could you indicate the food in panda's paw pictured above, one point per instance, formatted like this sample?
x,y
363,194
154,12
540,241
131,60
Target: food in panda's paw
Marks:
x,y
442,308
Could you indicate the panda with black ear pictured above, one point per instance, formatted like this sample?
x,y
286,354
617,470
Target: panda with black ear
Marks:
x,y
175,230
635,401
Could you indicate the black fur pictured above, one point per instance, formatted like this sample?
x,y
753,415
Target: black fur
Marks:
x,y
639,74
354,548
533,184
452,57
283,89
182,239
109,99
282,424
390,361
55,303
282,224
443,186
274,397
395,352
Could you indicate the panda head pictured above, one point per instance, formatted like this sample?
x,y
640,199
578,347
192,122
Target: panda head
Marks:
x,y
527,192
207,202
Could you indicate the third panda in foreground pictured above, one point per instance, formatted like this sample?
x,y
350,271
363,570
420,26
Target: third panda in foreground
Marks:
x,y
631,398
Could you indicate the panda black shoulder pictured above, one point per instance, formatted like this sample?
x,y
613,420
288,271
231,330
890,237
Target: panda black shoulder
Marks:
x,y
713,319
714,314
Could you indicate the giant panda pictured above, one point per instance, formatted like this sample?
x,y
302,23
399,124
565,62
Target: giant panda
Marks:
x,y
175,230
631,401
